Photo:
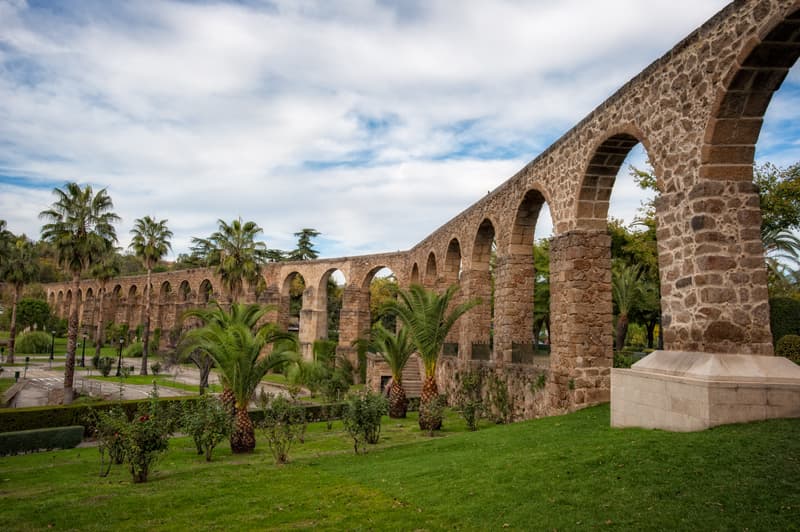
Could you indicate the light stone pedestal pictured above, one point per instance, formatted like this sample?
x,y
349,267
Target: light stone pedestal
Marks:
x,y
683,392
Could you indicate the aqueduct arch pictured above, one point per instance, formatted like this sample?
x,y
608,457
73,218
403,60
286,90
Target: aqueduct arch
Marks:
x,y
698,110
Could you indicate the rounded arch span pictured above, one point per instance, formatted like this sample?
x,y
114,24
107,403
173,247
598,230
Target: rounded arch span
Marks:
x,y
430,270
522,232
166,291
205,292
601,173
738,113
482,247
415,274
365,283
323,281
451,271
184,291
132,292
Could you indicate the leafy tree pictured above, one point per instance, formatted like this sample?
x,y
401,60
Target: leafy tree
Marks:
x,y
107,268
335,294
150,243
305,249
234,254
429,318
80,224
779,194
541,290
236,340
19,267
395,349
381,290
186,261
782,255
626,289
33,312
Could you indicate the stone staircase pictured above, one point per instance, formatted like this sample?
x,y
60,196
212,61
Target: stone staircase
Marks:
x,y
413,374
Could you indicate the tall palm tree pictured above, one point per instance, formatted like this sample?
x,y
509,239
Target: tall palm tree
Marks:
x,y
234,254
396,350
236,341
150,243
428,319
20,267
626,289
103,271
80,225
781,249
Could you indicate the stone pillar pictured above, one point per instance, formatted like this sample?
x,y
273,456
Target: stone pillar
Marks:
x,y
476,324
354,321
581,309
513,307
313,321
713,279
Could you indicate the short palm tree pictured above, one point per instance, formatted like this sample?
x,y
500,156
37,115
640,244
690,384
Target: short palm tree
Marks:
x,y
150,243
80,225
626,289
234,254
396,350
428,318
19,267
236,341
103,271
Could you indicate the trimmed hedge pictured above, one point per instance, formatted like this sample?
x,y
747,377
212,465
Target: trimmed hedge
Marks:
x,y
784,317
789,347
27,441
39,417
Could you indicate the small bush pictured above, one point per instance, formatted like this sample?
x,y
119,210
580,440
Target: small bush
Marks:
x,y
362,419
622,360
208,422
146,437
33,343
784,317
109,428
103,364
26,441
789,347
155,367
282,424
134,350
469,399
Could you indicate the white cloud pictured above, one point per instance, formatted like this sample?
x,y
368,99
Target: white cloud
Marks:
x,y
372,121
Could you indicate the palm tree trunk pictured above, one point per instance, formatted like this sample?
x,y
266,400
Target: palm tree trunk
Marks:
x,y
243,437
98,337
12,331
146,332
430,418
398,404
622,331
72,341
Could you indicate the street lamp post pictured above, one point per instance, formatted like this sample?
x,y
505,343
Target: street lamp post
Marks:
x,y
52,345
83,352
119,362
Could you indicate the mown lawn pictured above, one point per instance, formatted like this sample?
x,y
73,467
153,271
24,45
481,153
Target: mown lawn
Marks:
x,y
570,472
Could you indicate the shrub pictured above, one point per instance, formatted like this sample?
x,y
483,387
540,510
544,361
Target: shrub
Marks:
x,y
789,347
282,423
155,367
469,399
133,350
26,441
146,437
208,422
109,428
362,419
34,342
499,399
622,360
103,364
784,317
59,325
32,312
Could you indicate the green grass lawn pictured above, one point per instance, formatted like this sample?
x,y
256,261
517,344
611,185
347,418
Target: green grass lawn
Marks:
x,y
162,380
6,383
570,472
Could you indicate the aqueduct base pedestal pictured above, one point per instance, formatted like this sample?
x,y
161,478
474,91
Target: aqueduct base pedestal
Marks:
x,y
685,391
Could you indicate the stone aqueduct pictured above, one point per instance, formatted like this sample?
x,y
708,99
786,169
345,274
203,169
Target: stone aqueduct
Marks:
x,y
698,112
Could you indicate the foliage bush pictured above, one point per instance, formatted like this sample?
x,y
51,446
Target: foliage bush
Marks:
x,y
155,367
108,429
784,317
282,424
789,347
103,364
134,350
208,422
33,343
146,437
26,441
469,399
499,400
59,325
33,312
622,360
362,419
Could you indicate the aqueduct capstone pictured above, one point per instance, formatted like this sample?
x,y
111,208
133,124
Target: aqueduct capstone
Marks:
x,y
698,112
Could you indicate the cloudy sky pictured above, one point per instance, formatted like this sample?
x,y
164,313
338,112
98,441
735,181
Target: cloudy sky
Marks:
x,y
373,121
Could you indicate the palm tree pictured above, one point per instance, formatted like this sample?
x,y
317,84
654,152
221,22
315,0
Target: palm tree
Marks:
x,y
234,254
781,248
20,266
150,243
396,350
103,271
626,289
81,228
426,315
236,341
